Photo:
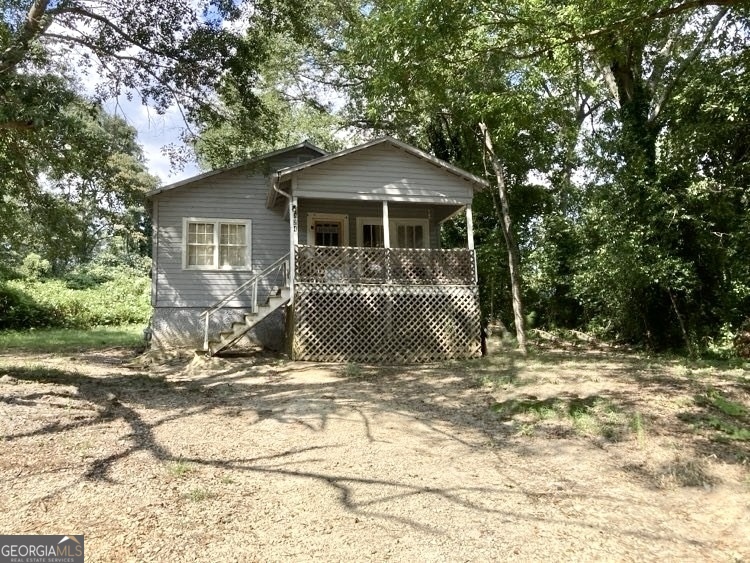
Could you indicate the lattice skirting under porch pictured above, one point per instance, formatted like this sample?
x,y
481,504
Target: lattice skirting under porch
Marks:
x,y
385,323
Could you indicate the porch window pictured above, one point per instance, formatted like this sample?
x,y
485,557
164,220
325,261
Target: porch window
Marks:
x,y
327,229
327,234
409,233
216,244
370,232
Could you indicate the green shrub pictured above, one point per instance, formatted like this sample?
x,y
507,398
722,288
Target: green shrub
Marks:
x,y
53,303
35,267
18,309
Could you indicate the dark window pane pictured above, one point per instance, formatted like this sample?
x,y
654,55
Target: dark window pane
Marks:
x,y
327,234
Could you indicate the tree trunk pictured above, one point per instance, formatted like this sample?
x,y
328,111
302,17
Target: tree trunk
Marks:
x,y
36,23
510,240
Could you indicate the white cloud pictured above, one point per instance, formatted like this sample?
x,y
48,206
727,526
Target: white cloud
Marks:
x,y
155,132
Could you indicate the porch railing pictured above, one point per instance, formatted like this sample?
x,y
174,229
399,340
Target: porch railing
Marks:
x,y
401,266
280,269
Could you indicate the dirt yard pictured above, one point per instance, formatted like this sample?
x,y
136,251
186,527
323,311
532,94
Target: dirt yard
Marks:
x,y
566,455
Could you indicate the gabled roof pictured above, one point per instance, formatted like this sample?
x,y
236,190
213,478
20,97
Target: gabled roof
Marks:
x,y
476,180
302,145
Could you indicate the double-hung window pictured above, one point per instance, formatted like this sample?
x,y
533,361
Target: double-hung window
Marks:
x,y
216,244
410,233
404,233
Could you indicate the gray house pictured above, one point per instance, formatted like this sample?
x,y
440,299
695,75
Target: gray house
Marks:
x,y
335,257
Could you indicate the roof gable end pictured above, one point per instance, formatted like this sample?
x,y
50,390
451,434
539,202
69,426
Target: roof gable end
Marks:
x,y
475,180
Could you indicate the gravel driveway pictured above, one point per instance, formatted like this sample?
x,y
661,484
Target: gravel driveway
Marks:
x,y
256,459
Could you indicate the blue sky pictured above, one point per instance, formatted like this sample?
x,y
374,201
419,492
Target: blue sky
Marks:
x,y
154,133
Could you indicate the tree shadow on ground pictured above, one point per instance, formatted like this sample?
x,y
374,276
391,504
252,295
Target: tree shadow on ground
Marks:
x,y
449,399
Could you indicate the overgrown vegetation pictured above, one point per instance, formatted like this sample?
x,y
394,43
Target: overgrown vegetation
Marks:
x,y
565,389
620,134
615,137
95,295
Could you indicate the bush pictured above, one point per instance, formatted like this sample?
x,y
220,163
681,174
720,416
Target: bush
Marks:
x,y
18,309
52,303
35,267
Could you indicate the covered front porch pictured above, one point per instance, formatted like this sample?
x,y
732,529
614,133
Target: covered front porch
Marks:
x,y
378,242
395,297
369,278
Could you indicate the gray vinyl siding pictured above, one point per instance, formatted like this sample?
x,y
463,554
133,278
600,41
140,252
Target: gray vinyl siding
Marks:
x,y
382,172
235,194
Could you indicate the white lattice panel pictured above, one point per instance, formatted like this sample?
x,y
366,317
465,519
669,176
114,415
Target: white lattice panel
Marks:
x,y
385,324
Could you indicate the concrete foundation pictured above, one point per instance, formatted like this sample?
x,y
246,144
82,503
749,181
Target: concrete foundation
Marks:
x,y
182,327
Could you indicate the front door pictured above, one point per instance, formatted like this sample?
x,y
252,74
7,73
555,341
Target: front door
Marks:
x,y
328,233
327,229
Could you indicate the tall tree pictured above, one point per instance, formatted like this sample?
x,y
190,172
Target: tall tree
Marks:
x,y
74,188
586,96
165,52
429,72
293,108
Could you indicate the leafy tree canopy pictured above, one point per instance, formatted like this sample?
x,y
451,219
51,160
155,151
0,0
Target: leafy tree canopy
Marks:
x,y
68,168
628,117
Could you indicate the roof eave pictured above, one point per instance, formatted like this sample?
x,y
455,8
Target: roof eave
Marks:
x,y
204,175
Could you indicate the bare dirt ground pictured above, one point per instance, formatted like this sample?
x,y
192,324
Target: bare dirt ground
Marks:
x,y
566,455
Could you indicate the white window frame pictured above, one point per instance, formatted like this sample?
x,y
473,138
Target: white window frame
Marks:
x,y
338,217
217,222
409,222
361,222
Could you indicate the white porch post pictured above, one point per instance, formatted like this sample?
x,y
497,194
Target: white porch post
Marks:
x,y
293,241
470,239
470,227
386,226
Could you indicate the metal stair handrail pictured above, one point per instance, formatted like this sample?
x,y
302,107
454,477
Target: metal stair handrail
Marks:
x,y
282,265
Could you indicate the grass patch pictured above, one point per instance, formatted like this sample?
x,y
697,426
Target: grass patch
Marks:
x,y
638,428
729,431
199,495
731,419
587,416
69,340
725,405
180,468
495,380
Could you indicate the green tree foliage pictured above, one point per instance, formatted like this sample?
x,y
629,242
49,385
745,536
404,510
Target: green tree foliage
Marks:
x,y
658,220
292,108
432,73
77,183
71,175
620,129
166,51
